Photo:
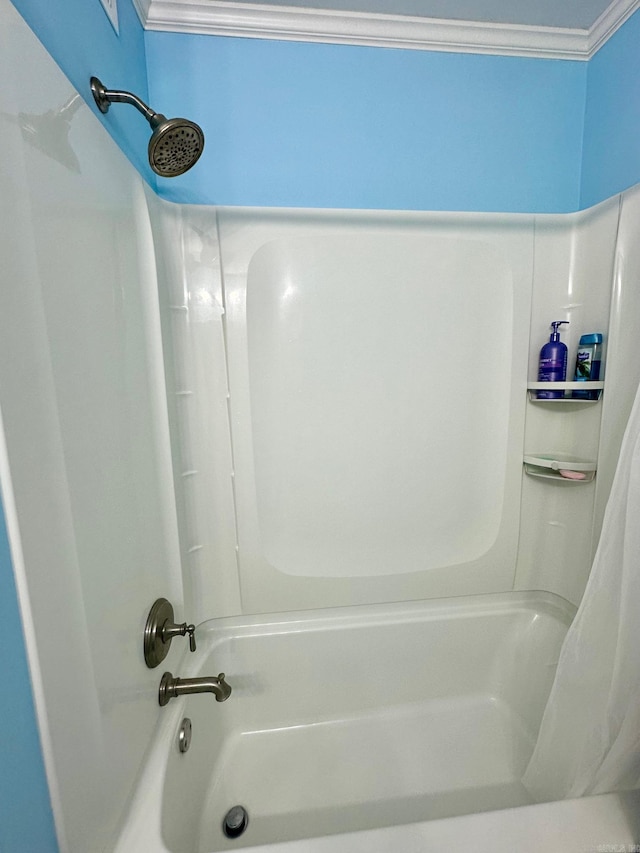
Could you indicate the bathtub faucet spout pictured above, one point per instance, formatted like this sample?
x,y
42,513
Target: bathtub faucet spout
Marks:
x,y
171,687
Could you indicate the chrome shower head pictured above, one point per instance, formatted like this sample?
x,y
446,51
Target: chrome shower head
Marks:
x,y
176,143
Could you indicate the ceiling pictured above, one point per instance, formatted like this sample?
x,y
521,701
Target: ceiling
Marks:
x,y
552,29
574,14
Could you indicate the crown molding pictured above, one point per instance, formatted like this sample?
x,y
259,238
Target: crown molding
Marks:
x,y
142,8
244,20
611,20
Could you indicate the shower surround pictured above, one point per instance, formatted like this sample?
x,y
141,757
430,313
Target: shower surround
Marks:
x,y
307,413
347,398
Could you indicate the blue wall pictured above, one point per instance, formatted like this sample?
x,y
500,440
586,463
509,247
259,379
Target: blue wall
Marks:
x,y
26,820
320,125
317,125
612,121
79,36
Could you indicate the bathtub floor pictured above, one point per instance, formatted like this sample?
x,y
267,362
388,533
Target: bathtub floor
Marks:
x,y
412,763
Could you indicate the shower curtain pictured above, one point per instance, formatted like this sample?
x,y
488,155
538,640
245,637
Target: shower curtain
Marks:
x,y
589,740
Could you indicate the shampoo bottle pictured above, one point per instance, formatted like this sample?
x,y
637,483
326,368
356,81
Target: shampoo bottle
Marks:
x,y
553,362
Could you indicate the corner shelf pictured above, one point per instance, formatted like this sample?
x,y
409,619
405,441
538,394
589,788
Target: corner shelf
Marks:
x,y
548,467
566,388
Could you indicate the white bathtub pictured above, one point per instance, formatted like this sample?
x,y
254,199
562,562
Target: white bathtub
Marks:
x,y
379,726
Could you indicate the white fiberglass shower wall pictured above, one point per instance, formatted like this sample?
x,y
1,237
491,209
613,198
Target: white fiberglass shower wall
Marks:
x,y
375,366
86,476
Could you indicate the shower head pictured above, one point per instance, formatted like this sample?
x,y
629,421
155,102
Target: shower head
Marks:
x,y
175,144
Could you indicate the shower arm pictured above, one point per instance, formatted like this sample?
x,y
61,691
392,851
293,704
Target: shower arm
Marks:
x,y
175,144
105,97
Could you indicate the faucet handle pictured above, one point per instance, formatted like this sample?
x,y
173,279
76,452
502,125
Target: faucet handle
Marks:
x,y
170,630
160,629
192,637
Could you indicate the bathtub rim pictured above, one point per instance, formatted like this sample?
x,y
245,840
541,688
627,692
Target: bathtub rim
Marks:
x,y
213,632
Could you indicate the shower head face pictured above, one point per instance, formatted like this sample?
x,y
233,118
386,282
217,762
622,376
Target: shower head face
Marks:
x,y
175,145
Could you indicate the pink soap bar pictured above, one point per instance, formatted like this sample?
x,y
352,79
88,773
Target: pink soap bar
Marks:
x,y
573,475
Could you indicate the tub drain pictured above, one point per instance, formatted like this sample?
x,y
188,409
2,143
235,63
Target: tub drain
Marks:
x,y
235,822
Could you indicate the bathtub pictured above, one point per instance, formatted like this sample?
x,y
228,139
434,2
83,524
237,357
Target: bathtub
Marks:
x,y
396,727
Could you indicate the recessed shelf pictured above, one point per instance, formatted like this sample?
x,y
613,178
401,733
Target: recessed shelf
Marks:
x,y
594,388
548,467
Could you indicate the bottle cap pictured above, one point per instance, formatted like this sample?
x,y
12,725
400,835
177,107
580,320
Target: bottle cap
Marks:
x,y
595,338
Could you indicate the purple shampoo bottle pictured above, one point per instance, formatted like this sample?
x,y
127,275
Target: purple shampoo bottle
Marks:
x,y
553,362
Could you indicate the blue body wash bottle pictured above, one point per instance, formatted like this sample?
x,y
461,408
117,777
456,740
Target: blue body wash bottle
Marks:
x,y
588,364
553,362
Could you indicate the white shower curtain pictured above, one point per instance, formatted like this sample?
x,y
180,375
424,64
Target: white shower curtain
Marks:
x,y
589,740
